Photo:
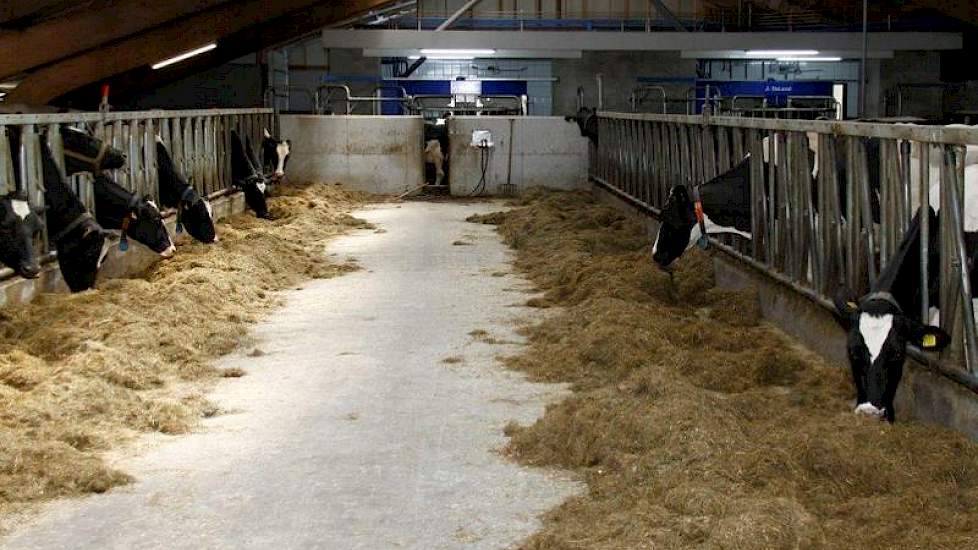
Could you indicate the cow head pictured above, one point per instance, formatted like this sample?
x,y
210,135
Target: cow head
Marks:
x,y
677,220
882,323
275,155
86,153
193,211
587,123
879,332
248,177
139,218
18,225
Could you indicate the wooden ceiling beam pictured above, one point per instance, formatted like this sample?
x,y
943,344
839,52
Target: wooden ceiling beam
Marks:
x,y
61,37
146,48
266,35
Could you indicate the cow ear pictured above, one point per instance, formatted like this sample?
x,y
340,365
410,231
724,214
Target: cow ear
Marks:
x,y
929,337
265,131
845,308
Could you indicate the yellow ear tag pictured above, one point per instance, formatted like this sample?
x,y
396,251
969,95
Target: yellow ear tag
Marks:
x,y
930,341
852,305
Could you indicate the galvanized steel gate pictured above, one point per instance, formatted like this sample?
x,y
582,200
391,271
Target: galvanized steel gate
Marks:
x,y
198,140
812,243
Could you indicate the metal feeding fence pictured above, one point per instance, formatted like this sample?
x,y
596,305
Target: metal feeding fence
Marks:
x,y
198,141
806,236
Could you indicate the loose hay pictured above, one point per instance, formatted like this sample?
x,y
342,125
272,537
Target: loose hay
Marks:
x,y
697,425
80,373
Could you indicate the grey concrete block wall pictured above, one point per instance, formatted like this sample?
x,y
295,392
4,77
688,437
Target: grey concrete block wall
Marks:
x,y
546,152
620,72
376,154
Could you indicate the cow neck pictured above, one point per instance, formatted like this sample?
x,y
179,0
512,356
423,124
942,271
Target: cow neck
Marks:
x,y
120,203
72,225
95,161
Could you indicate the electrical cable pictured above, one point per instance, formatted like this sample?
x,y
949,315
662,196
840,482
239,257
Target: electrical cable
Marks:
x,y
485,153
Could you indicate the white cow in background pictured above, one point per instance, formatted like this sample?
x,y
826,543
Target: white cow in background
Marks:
x,y
433,155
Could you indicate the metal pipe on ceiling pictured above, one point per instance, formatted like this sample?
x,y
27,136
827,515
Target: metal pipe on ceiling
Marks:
x,y
459,13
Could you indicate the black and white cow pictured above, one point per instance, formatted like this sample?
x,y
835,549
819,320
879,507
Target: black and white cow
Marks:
x,y
77,237
139,218
194,213
248,177
587,122
275,155
18,225
726,203
86,153
883,322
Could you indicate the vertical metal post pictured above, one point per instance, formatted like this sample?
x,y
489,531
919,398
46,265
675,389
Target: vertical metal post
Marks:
x,y
862,63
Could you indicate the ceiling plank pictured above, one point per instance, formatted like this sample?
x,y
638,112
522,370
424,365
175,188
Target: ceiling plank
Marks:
x,y
61,37
152,46
13,12
271,33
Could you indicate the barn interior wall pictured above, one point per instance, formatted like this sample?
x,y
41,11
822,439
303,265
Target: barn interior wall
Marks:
x,y
235,84
915,68
565,8
620,73
527,152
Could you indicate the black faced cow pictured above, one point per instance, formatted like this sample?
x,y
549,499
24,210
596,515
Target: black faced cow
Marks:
x,y
18,225
86,153
77,237
275,155
139,218
883,322
248,177
587,122
193,211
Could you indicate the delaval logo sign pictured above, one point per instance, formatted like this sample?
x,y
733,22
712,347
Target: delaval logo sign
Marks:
x,y
776,92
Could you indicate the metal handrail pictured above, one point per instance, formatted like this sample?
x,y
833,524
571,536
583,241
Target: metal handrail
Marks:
x,y
635,100
806,236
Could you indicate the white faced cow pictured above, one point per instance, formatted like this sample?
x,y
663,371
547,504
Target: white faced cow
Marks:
x,y
884,321
248,177
275,155
433,156
18,225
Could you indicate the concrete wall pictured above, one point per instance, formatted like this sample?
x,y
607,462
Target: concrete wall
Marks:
x,y
377,154
923,396
547,152
118,264
620,72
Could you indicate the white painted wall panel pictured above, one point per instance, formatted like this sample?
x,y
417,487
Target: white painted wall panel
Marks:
x,y
547,152
377,154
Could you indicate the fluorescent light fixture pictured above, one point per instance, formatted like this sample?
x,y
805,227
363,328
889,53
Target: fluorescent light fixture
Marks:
x,y
809,59
446,57
186,55
781,53
474,53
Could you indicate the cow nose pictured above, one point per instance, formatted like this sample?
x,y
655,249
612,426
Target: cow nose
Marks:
x,y
216,238
868,409
30,271
169,252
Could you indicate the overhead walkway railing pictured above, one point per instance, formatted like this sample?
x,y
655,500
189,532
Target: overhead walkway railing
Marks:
x,y
198,140
812,237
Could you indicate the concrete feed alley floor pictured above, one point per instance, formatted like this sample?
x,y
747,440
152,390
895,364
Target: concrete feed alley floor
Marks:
x,y
350,432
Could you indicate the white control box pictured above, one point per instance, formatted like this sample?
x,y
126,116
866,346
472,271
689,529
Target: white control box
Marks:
x,y
481,139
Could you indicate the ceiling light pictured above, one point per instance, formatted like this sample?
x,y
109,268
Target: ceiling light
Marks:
x,y
430,52
809,59
445,57
780,53
187,55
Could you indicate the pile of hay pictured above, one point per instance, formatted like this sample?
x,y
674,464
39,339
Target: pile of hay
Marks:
x,y
695,424
79,373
